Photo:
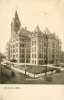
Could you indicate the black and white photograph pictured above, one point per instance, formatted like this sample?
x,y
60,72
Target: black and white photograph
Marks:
x,y
31,42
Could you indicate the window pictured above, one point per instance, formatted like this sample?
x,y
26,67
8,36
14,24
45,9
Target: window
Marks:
x,y
16,49
32,61
34,49
13,50
16,44
35,61
21,39
33,42
45,44
16,55
33,55
22,60
40,55
13,56
16,38
13,46
22,51
22,55
21,45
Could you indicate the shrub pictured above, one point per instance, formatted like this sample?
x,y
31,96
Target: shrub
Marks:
x,y
48,78
58,70
12,74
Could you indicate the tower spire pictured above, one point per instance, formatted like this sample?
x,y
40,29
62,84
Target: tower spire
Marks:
x,y
16,22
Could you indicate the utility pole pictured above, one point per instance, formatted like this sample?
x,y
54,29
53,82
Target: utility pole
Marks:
x,y
25,62
46,57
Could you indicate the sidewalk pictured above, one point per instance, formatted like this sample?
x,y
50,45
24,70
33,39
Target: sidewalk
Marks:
x,y
30,74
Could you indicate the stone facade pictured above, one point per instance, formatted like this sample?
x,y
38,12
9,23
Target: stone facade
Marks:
x,y
33,47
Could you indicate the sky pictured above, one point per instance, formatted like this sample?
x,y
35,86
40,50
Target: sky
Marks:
x,y
45,13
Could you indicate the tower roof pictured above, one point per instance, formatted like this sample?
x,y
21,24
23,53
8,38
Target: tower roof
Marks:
x,y
47,30
37,29
17,23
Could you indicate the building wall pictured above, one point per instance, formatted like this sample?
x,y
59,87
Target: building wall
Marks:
x,y
24,49
34,49
19,46
42,49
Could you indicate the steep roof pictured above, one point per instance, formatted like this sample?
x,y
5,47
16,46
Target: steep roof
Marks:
x,y
17,23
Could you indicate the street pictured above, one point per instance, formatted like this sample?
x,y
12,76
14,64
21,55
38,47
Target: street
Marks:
x,y
20,78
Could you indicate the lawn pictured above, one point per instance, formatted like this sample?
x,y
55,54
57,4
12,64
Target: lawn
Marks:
x,y
35,69
57,78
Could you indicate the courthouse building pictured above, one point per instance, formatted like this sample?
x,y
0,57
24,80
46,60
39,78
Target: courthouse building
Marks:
x,y
32,47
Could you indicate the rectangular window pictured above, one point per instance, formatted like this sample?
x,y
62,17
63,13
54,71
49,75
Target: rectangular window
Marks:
x,y
16,44
22,51
34,49
33,55
33,61
33,42
21,45
16,55
22,60
22,55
